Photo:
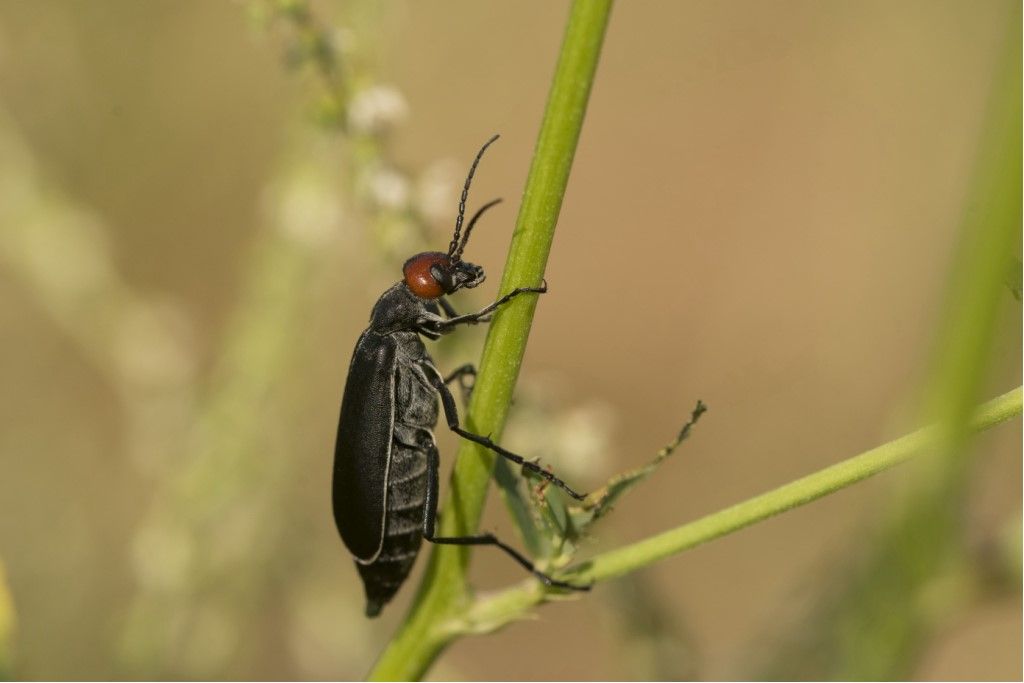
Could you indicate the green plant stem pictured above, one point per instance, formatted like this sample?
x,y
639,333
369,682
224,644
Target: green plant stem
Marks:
x,y
504,606
444,591
791,495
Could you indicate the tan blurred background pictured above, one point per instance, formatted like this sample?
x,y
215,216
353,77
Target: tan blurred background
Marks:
x,y
761,215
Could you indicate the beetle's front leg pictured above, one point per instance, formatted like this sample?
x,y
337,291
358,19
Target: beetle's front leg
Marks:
x,y
484,314
449,312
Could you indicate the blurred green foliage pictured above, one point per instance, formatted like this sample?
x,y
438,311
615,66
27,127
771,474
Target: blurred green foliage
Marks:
x,y
655,644
212,546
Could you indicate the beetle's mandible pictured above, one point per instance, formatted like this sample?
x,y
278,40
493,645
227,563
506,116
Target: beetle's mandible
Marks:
x,y
385,482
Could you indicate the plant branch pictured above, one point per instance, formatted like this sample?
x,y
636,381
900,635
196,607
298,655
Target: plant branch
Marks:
x,y
794,494
502,607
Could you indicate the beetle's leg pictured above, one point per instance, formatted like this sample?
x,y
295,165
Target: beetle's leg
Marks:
x,y
490,539
430,515
430,502
484,314
459,375
460,372
451,414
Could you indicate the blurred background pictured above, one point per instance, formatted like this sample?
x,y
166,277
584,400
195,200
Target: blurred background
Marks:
x,y
200,202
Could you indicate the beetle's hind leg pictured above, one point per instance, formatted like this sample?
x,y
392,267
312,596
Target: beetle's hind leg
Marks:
x,y
430,516
451,415
490,539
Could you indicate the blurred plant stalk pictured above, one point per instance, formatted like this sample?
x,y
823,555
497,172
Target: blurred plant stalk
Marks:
x,y
7,623
218,515
919,572
217,447
62,256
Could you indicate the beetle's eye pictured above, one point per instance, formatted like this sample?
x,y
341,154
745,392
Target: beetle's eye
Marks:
x,y
419,277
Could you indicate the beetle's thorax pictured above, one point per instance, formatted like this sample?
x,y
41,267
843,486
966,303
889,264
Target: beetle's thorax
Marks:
x,y
397,309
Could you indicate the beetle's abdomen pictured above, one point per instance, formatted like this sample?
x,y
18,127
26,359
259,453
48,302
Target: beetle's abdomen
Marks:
x,y
415,414
403,527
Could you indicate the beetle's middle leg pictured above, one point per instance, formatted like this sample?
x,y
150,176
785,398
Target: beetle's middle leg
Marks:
x,y
430,516
451,415
459,375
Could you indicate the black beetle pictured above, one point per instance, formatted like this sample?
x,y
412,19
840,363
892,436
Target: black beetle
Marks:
x,y
385,483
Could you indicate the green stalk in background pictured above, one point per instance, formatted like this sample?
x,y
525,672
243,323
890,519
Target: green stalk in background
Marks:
x,y
444,592
6,626
874,616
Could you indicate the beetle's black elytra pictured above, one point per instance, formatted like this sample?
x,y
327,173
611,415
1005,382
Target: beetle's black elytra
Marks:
x,y
385,482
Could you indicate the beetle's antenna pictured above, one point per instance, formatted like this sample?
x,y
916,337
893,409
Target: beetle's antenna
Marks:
x,y
457,256
462,202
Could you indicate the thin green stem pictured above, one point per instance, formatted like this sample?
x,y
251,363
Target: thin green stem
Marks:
x,y
502,607
794,494
528,253
444,591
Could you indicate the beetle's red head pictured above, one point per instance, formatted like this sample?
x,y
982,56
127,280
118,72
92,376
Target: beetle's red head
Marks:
x,y
433,274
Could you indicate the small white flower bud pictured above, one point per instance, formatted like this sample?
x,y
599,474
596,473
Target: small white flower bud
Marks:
x,y
376,109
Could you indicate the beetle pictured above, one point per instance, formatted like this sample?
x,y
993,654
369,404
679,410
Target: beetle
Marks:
x,y
385,479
